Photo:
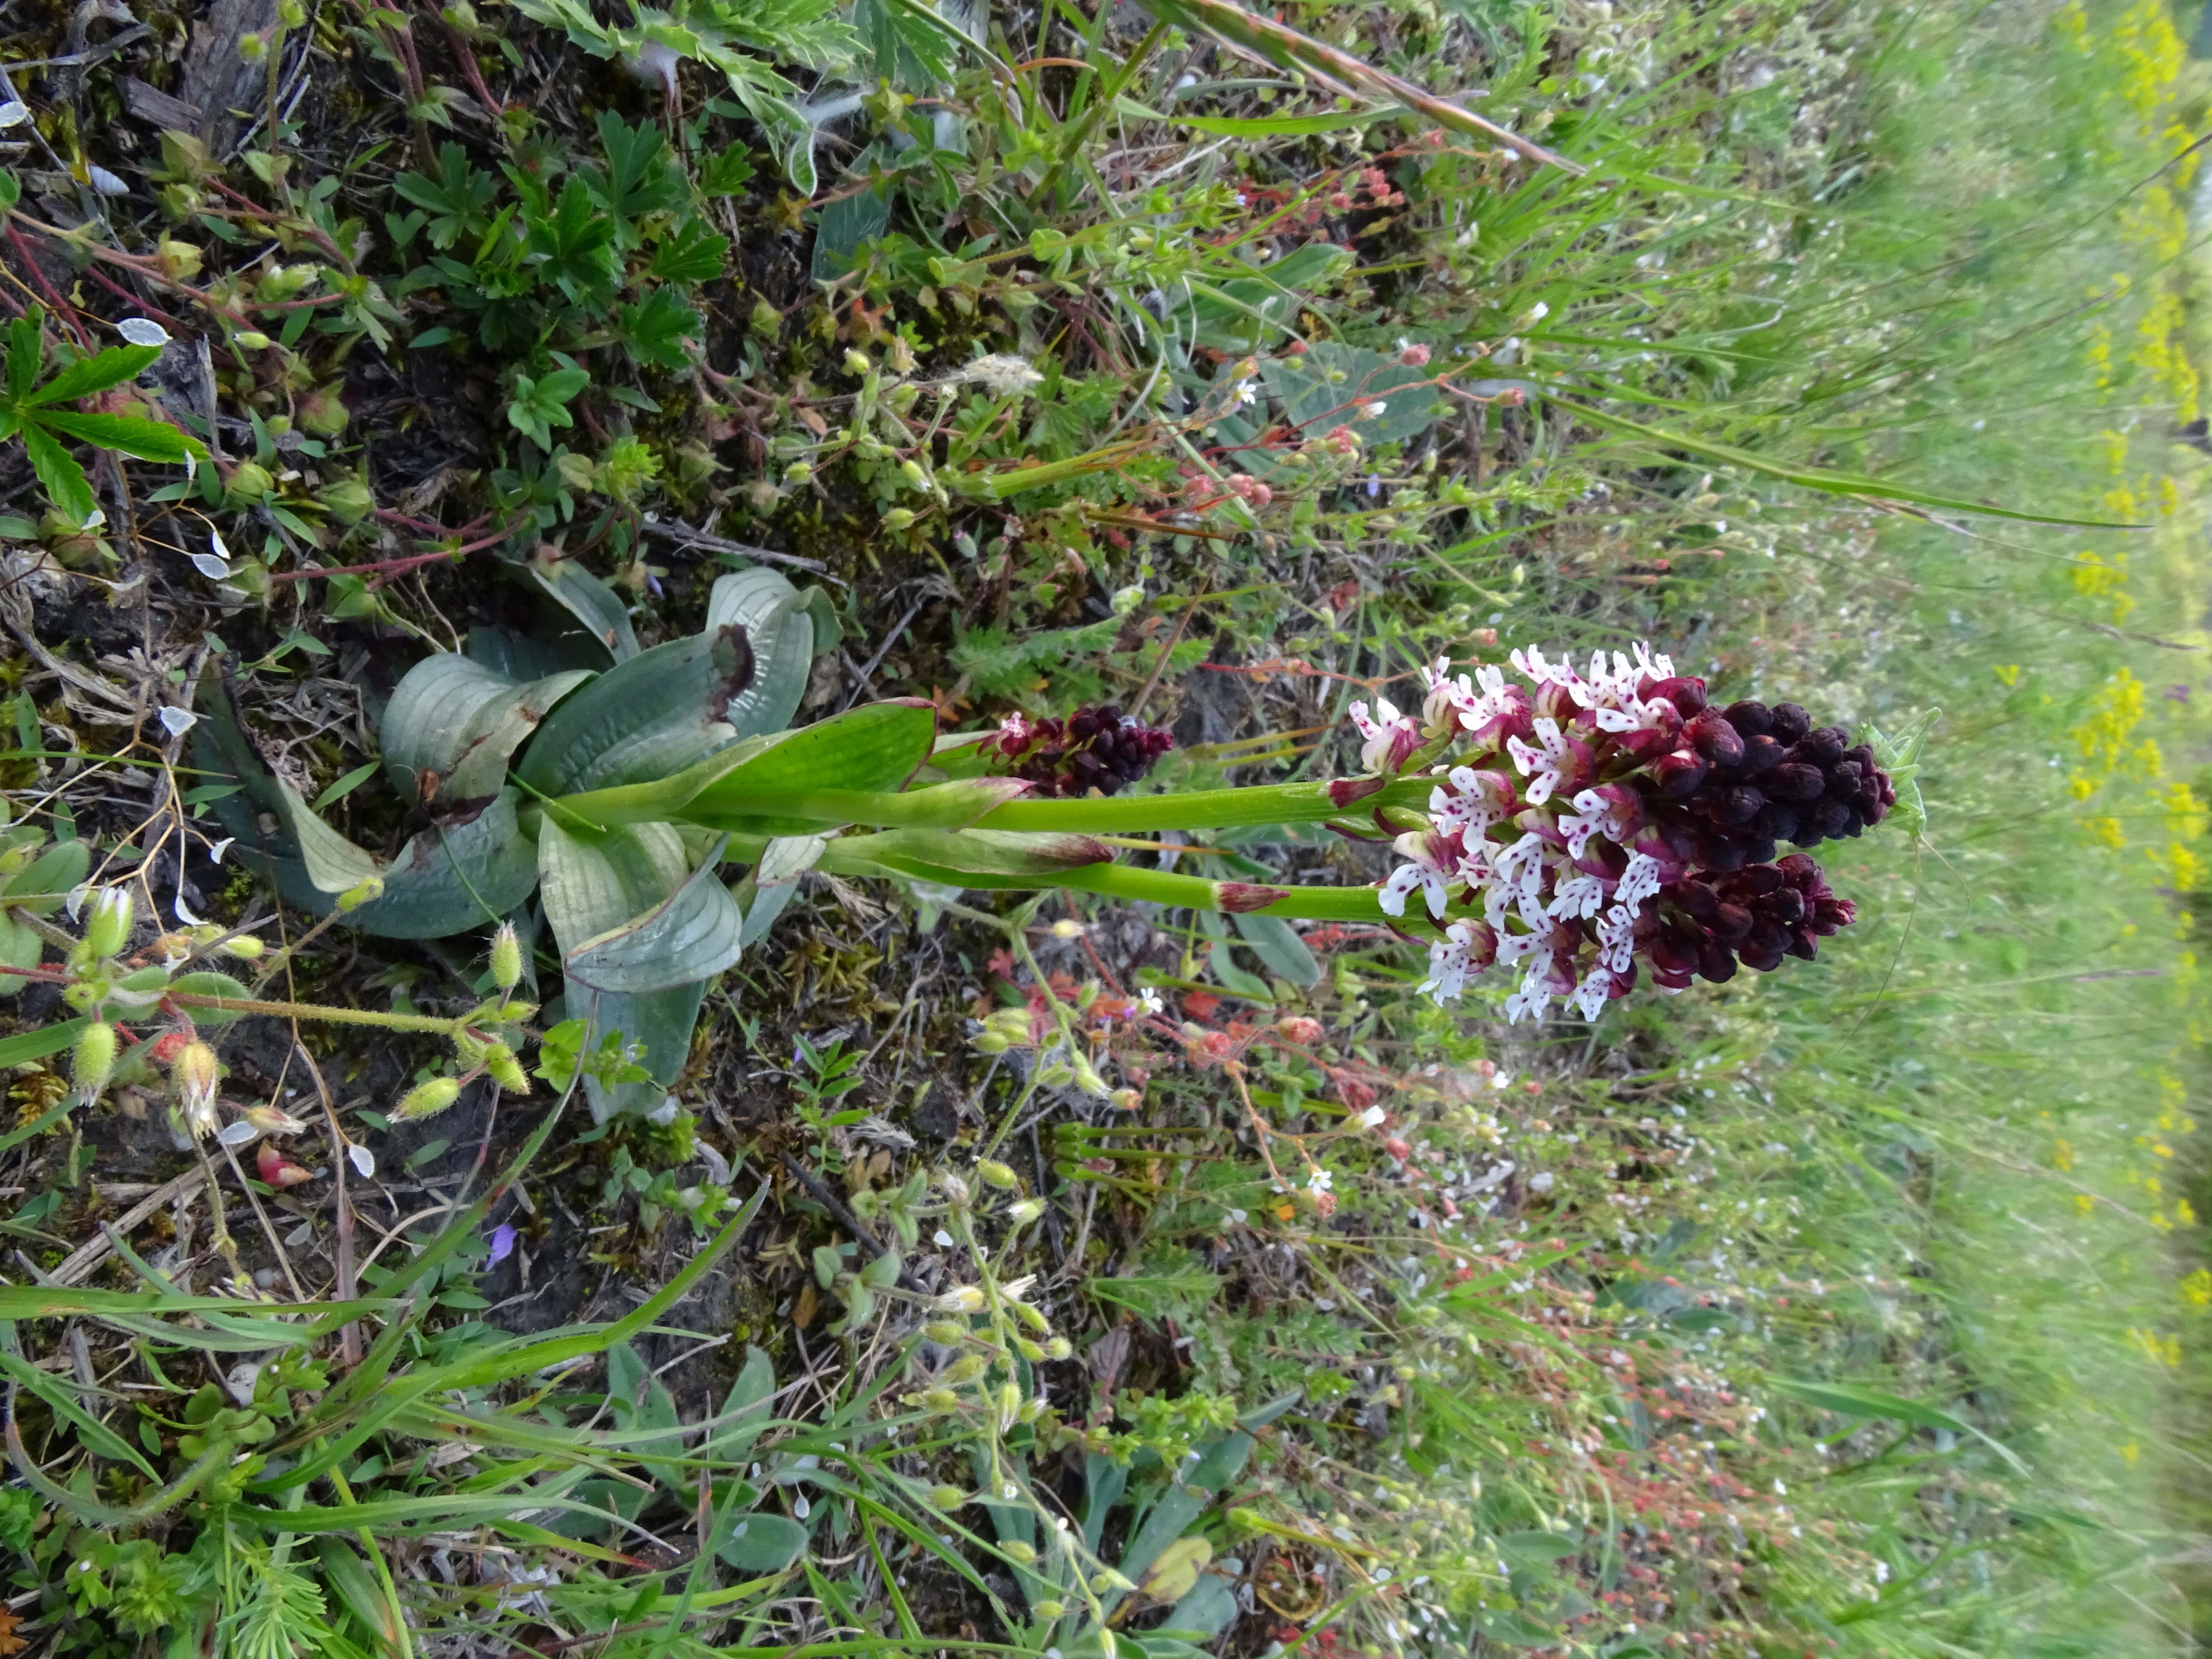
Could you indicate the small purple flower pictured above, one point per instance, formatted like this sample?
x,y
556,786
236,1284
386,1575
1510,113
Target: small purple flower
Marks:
x,y
2177,694
1373,485
502,1243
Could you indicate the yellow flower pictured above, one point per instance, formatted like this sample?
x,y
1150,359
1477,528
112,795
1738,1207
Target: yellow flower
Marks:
x,y
2132,1451
2197,1288
2008,673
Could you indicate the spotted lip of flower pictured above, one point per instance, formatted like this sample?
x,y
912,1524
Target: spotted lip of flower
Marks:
x,y
1390,736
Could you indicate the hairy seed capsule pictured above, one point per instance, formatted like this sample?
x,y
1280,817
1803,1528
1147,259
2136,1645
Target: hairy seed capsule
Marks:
x,y
505,1070
94,1058
1018,1553
429,1099
196,1076
947,1497
945,1332
997,1175
506,957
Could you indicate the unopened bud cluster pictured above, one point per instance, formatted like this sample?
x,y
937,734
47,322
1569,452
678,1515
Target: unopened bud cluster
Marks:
x,y
1100,749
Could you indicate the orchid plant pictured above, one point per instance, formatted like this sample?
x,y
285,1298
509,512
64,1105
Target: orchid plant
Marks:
x,y
1575,828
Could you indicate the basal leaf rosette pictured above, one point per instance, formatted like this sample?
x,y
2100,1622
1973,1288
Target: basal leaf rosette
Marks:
x,y
1593,822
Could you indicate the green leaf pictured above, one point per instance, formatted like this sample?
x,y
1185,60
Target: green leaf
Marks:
x,y
27,1046
596,606
207,982
42,889
694,935
725,173
1819,477
59,474
1848,1400
762,1543
573,248
1321,389
643,720
874,747
111,368
452,724
455,199
778,621
26,354
639,179
345,786
146,440
95,1436
654,332
693,253
976,858
660,1024
1277,943
19,947
747,1403
1240,312
1272,126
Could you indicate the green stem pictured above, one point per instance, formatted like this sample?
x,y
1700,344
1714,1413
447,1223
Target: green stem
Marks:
x,y
1127,881
311,1010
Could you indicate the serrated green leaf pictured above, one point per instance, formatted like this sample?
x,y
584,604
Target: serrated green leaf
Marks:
x,y
656,330
59,474
144,440
111,368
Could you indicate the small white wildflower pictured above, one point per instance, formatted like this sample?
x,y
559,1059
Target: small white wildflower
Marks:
x,y
1320,1180
1148,1002
1373,409
1370,1117
143,331
942,1239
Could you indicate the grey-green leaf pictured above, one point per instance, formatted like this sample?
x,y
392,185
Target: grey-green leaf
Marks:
x,y
653,715
1277,943
777,620
598,609
764,1543
693,934
453,723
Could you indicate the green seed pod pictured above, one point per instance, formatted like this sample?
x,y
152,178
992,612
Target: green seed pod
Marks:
x,y
945,1332
1058,1348
252,339
196,1075
107,930
1030,1317
322,414
1018,1553
347,502
1051,1608
249,485
941,1399
427,1099
898,519
244,948
1010,1399
506,957
364,891
505,1070
1027,1211
94,1058
947,1497
966,1369
997,1175
1028,1350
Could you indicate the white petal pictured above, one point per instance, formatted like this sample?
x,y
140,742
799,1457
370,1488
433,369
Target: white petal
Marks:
x,y
184,912
178,721
14,113
216,541
143,331
77,895
105,182
239,1133
363,1160
210,567
215,852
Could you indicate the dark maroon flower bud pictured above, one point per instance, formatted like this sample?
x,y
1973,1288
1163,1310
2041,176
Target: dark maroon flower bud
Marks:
x,y
1343,791
1751,718
1695,897
1791,722
1738,806
1831,913
1715,738
1241,897
1755,882
1686,692
1820,821
1800,871
1844,779
1731,921
1083,725
1675,950
1760,849
1765,958
1768,937
1775,822
1792,782
1678,774
1716,962
1802,945
1823,746
1721,853
1760,754
1786,905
